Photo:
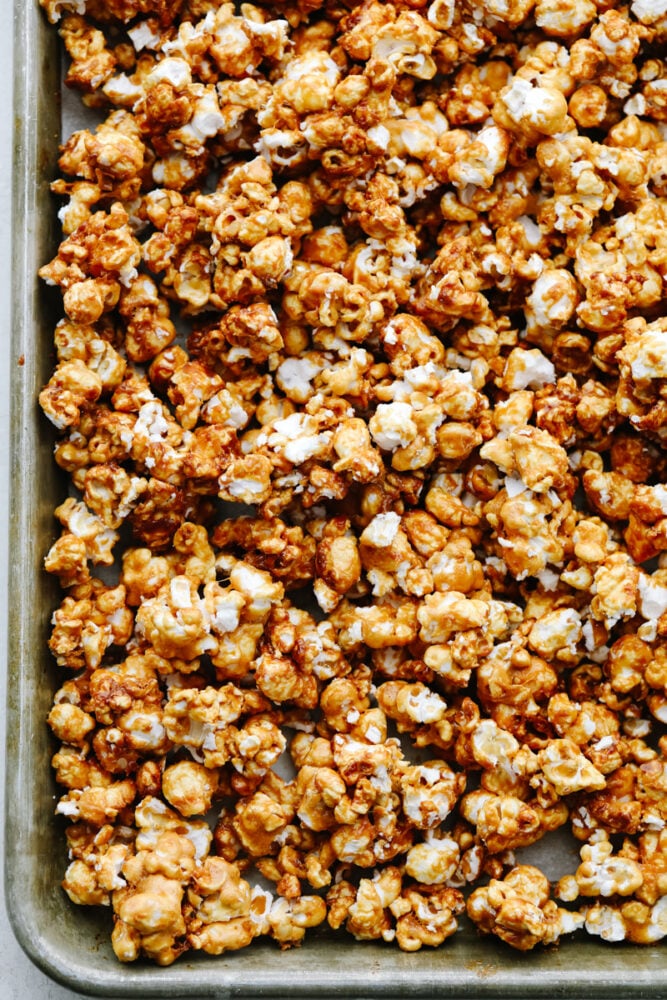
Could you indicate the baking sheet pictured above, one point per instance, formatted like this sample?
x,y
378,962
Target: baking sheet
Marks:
x,y
69,943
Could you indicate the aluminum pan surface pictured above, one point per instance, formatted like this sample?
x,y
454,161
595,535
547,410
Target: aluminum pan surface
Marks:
x,y
69,943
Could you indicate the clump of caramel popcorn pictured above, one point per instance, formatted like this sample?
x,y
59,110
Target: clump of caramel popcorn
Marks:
x,y
360,386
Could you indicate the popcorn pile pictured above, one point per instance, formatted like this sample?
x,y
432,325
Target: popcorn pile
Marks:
x,y
361,386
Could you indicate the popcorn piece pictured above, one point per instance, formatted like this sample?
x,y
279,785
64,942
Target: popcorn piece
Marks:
x,y
531,110
97,805
72,387
54,9
566,768
518,910
259,820
443,614
92,63
189,787
320,790
367,914
95,872
70,723
556,634
149,911
290,919
540,462
616,586
630,921
84,629
392,426
600,874
506,822
552,301
175,621
149,327
226,913
92,263
75,341
430,792
527,369
563,19
153,818
431,918
193,716
434,861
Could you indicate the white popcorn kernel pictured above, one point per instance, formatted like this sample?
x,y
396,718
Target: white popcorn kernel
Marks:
x,y
529,370
649,11
392,426
296,374
174,70
145,730
382,530
179,591
425,707
659,493
541,307
541,107
379,135
652,598
605,922
515,486
142,36
548,578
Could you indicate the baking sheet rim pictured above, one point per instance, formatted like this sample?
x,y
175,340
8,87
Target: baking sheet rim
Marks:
x,y
321,967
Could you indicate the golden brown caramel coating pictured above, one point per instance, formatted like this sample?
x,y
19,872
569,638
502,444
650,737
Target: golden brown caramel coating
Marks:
x,y
360,387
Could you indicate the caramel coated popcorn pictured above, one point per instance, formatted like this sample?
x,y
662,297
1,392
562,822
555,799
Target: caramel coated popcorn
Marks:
x,y
360,386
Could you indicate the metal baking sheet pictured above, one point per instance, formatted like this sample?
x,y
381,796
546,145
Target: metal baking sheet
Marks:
x,y
70,943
